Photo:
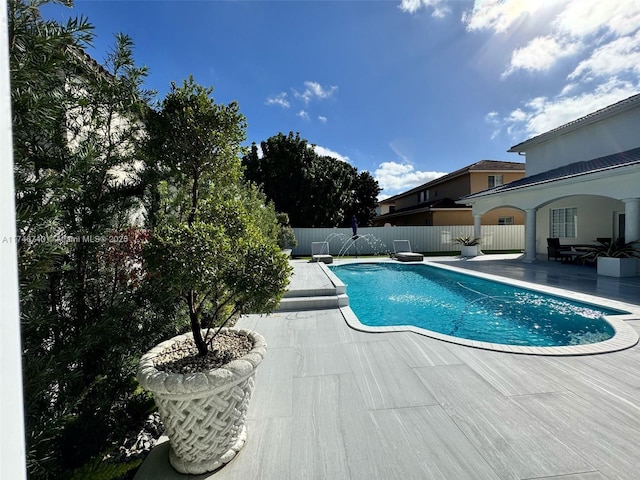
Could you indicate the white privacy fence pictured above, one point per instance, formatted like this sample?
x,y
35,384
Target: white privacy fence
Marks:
x,y
379,240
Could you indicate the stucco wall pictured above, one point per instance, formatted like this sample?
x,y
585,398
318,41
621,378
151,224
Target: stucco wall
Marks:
x,y
611,135
596,218
453,188
452,217
491,218
480,180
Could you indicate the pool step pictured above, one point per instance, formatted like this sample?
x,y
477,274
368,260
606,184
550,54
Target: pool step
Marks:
x,y
320,302
319,289
312,292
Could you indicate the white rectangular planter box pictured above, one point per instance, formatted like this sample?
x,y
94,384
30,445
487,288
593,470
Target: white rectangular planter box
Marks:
x,y
617,267
469,250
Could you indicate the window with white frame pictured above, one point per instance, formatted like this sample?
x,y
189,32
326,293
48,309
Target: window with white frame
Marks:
x,y
495,181
505,221
564,222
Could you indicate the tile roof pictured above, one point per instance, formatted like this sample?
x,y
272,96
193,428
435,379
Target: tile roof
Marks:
x,y
488,165
433,205
608,162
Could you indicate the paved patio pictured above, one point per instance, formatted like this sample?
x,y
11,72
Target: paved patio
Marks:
x,y
334,403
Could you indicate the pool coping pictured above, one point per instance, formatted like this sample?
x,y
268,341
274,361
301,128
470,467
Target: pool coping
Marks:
x,y
624,335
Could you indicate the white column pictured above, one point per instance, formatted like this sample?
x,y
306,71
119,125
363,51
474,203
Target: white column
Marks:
x,y
477,225
477,229
12,458
631,219
530,235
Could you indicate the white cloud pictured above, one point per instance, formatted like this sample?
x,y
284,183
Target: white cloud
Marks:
x,y
540,54
394,177
588,26
280,99
440,8
325,152
582,18
542,114
597,41
501,15
620,55
313,90
493,119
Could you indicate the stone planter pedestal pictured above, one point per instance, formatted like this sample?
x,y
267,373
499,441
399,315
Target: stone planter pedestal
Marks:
x,y
204,412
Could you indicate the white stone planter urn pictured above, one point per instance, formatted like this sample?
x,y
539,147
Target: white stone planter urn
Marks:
x,y
203,412
617,267
469,250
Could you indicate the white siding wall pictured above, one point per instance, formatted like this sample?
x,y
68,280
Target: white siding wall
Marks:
x,y
379,240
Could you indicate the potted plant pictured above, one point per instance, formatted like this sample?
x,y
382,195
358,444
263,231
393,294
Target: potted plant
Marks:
x,y
286,236
614,259
212,256
468,246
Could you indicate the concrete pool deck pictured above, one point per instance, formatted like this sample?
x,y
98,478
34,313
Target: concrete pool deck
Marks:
x,y
331,402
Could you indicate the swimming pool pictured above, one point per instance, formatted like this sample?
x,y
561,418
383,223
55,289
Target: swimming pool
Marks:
x,y
475,311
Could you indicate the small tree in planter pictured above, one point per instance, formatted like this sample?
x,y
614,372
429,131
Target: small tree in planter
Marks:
x,y
286,236
469,246
213,252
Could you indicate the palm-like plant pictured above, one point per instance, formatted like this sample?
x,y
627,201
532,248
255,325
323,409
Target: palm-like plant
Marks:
x,y
467,241
615,249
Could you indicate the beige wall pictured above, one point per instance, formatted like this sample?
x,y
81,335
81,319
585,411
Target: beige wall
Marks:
x,y
491,218
454,188
480,180
450,217
456,217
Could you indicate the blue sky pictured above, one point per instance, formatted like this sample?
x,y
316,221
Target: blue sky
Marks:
x,y
405,89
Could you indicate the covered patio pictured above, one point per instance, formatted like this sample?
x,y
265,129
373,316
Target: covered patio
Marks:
x,y
601,194
335,403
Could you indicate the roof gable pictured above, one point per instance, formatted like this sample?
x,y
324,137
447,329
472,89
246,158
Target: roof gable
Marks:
x,y
614,109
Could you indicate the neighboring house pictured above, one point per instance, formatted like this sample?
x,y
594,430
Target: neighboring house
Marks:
x,y
100,120
582,182
434,203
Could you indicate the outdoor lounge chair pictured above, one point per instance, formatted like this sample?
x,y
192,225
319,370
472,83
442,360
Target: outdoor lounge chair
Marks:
x,y
320,252
402,252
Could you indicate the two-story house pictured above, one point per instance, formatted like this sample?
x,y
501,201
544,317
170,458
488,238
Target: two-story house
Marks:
x,y
434,203
582,181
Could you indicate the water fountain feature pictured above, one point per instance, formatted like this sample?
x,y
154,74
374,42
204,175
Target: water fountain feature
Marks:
x,y
357,245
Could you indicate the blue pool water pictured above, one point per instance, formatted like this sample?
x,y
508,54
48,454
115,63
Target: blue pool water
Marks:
x,y
465,306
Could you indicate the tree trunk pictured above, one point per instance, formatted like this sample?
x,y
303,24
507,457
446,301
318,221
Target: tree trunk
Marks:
x,y
195,325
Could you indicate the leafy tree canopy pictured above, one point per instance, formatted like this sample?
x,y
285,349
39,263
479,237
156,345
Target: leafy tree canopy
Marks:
x,y
214,246
84,316
314,190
